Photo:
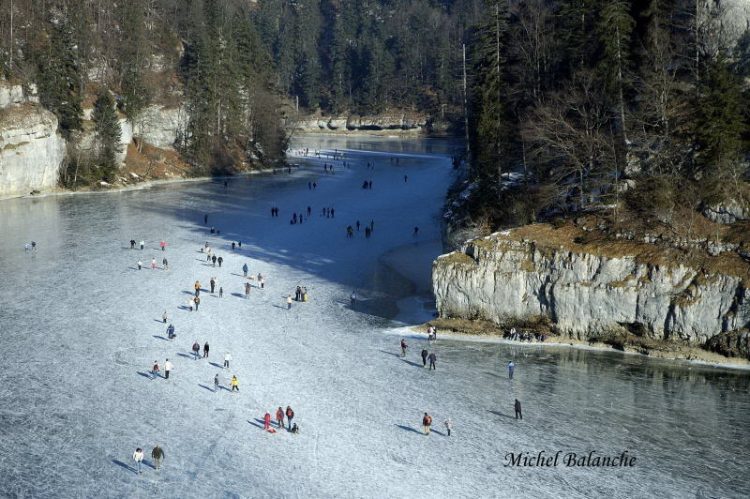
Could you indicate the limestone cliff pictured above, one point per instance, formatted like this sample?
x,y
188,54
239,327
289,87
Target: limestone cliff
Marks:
x,y
31,150
514,277
394,121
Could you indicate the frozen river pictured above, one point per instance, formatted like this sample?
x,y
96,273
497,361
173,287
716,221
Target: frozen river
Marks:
x,y
81,327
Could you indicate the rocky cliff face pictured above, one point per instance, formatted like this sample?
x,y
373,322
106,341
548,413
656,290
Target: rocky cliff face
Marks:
x,y
31,150
161,126
507,279
393,121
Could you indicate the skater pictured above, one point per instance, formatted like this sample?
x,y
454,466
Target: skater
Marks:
x,y
155,370
227,358
416,231
517,407
165,263
212,283
353,299
289,302
448,426
197,287
153,264
280,417
191,303
168,366
233,245
404,346
196,349
511,368
424,357
261,281
289,416
213,260
163,245
247,290
140,265
245,269
216,382
426,423
205,350
170,332
157,454
406,178
220,260
221,292
197,301
132,244
432,357
267,421
142,243
235,383
138,458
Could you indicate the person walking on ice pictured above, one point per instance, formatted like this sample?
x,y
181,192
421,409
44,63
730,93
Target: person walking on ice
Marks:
x,y
196,349
245,269
216,382
289,416
140,265
168,366
280,417
235,384
157,454
511,368
153,264
138,458
170,332
205,350
227,358
426,423
424,357
517,409
448,426
247,290
142,244
404,346
155,370
289,302
197,301
432,357
267,421
353,299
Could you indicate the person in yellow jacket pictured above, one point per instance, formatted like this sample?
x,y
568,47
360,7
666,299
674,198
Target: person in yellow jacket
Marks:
x,y
235,384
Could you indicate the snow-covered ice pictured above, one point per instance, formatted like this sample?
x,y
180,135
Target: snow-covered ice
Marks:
x,y
81,327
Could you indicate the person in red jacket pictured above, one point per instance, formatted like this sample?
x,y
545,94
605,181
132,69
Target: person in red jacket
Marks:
x,y
426,423
289,416
280,417
267,421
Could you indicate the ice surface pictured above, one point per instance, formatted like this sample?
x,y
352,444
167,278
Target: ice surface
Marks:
x,y
81,326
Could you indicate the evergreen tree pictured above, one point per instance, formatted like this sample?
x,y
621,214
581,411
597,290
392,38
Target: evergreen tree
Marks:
x,y
108,134
59,77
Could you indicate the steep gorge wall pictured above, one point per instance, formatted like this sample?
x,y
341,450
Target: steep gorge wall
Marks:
x,y
31,150
506,280
394,121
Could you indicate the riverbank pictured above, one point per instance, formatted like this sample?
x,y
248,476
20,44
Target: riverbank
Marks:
x,y
478,330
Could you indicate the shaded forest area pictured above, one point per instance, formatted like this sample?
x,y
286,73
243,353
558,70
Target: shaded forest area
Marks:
x,y
636,111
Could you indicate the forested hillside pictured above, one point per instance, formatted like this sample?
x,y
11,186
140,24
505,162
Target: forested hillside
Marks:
x,y
600,105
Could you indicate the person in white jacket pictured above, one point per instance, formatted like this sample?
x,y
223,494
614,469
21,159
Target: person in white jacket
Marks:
x,y
227,358
168,366
138,458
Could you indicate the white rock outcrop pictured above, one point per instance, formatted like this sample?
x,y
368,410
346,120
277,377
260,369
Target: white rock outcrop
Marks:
x,y
393,121
31,150
161,126
503,280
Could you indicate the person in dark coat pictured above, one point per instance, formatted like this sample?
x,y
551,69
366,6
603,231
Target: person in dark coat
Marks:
x,y
289,415
432,358
424,357
205,350
213,260
157,455
221,260
170,332
196,349
517,408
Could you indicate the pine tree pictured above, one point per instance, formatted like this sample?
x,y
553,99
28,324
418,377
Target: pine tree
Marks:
x,y
108,134
59,78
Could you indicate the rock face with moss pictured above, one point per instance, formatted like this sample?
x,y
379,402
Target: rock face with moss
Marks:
x,y
585,292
